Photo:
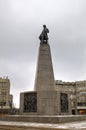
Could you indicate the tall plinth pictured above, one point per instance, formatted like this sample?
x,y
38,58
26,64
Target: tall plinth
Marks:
x,y
44,76
47,97
44,100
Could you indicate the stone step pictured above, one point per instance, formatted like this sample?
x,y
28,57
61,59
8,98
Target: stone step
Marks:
x,y
26,128
43,119
9,125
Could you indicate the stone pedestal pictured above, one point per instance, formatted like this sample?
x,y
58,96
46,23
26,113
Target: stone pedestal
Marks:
x,y
41,103
48,103
44,100
44,76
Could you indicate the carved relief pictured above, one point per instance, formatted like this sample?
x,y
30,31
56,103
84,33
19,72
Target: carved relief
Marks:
x,y
30,102
64,102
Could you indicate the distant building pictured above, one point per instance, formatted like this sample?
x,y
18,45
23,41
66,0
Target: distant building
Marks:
x,y
5,97
81,96
76,95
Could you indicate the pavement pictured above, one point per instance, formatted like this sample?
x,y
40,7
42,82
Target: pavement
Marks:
x,y
9,125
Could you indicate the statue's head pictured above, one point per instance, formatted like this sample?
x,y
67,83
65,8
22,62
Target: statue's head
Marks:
x,y
44,26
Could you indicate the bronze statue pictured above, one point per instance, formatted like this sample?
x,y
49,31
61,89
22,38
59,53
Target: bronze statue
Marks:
x,y
43,36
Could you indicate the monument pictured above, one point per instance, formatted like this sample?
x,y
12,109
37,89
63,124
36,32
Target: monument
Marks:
x,y
44,104
44,100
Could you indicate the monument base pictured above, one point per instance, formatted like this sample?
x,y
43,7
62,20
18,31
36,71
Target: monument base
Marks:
x,y
44,103
43,119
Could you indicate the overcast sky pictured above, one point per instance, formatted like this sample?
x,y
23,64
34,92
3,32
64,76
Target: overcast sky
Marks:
x,y
20,26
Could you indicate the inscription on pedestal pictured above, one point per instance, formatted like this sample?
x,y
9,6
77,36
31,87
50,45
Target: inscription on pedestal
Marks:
x,y
64,102
30,102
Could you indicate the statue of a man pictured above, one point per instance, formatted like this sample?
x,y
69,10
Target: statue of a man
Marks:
x,y
43,36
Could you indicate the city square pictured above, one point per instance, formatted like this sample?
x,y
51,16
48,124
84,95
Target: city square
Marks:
x,y
50,96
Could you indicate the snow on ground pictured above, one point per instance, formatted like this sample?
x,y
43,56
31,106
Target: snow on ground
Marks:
x,y
72,125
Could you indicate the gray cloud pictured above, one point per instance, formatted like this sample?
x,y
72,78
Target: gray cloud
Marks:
x,y
20,25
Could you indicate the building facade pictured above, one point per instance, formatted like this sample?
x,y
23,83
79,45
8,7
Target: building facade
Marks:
x,y
5,98
81,97
76,95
